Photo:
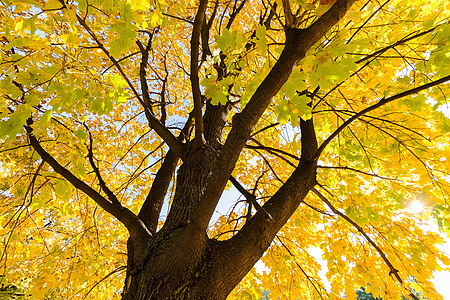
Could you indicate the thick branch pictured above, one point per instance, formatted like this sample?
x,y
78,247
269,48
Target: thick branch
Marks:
x,y
136,228
377,105
195,82
288,14
151,208
258,233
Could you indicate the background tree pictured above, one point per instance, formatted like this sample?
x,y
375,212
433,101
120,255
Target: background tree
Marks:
x,y
363,295
124,121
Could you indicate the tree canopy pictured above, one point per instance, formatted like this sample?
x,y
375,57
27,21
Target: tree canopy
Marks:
x,y
125,120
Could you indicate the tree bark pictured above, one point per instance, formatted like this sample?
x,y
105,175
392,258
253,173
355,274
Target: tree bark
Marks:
x,y
186,264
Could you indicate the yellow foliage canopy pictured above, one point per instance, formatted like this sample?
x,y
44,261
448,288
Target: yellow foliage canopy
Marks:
x,y
97,77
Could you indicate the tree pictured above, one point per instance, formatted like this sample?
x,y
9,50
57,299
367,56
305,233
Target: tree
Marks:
x,y
362,295
326,116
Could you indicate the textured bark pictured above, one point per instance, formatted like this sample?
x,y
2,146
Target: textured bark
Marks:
x,y
181,263
191,184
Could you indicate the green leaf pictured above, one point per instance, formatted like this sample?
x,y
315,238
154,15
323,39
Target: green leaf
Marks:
x,y
229,40
260,39
306,5
125,40
443,122
81,134
82,4
283,113
52,4
63,189
296,83
46,116
300,108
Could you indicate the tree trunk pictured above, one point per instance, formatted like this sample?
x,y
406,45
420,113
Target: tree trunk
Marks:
x,y
181,262
178,272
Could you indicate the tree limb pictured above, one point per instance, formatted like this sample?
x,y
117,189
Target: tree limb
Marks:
x,y
377,105
143,75
235,12
310,279
289,17
154,123
151,208
136,228
195,82
112,198
400,42
250,197
258,232
366,236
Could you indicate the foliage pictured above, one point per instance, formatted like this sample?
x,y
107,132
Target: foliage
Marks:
x,y
104,87
10,291
363,295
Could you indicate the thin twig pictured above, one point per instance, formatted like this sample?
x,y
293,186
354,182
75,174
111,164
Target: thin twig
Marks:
x,y
250,197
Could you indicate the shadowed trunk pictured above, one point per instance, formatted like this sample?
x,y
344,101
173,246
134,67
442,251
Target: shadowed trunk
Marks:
x,y
181,262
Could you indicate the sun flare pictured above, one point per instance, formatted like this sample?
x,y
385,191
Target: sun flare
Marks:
x,y
416,207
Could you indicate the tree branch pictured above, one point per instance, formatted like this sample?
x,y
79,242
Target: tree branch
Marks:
x,y
136,228
400,42
258,233
151,208
373,56
357,171
195,82
154,123
250,197
112,198
289,17
143,75
235,12
392,270
377,105
310,279
270,149
367,20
